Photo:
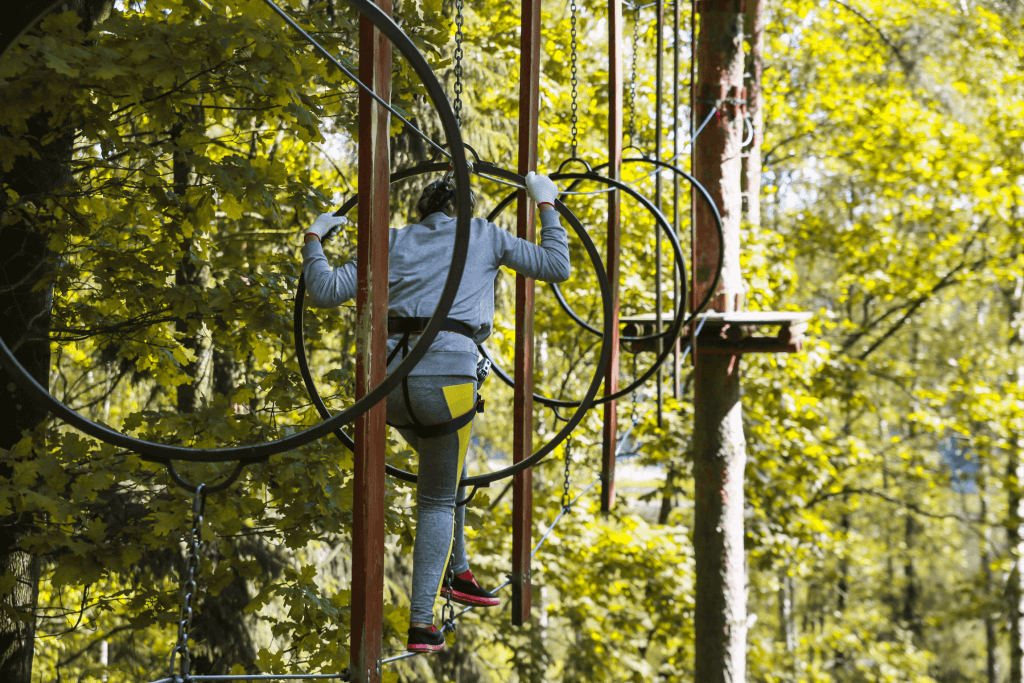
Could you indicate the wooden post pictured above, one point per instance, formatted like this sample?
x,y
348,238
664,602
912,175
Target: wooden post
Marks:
x,y
720,617
659,77
371,353
677,128
611,378
522,428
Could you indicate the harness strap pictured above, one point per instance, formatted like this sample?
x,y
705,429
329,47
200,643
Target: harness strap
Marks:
x,y
412,325
408,326
444,428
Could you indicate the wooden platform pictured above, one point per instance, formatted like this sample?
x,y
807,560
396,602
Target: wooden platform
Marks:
x,y
727,333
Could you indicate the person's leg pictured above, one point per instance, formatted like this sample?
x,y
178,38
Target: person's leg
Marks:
x,y
460,562
441,459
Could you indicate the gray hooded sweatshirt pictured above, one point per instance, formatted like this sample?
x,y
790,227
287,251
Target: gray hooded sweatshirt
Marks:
x,y
418,263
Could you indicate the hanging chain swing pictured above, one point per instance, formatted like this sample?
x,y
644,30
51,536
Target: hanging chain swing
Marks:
x,y
633,140
193,566
566,499
573,80
458,55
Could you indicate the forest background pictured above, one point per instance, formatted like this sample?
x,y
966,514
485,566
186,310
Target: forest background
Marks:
x,y
160,161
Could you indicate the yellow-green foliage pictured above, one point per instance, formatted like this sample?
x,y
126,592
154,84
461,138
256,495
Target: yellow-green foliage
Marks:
x,y
891,209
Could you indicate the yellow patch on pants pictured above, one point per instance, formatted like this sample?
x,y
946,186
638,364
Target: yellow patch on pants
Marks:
x,y
460,401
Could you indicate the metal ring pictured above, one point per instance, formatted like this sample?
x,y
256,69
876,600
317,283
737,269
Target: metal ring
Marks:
x,y
162,453
749,124
721,252
180,481
581,406
574,160
677,322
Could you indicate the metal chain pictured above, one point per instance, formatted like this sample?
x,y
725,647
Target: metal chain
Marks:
x,y
193,563
632,79
633,412
459,36
448,609
566,500
573,80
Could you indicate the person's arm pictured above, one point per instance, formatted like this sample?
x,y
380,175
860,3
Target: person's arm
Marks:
x,y
548,261
325,286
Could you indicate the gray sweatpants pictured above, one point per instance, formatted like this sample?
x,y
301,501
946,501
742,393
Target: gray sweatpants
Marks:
x,y
439,523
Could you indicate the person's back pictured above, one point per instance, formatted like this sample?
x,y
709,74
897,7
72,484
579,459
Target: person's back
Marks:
x,y
418,263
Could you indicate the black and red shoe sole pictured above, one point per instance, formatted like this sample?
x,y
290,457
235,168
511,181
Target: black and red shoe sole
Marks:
x,y
470,600
424,647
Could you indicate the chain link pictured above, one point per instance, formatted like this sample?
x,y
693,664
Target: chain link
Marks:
x,y
193,563
632,79
448,609
574,81
566,500
459,37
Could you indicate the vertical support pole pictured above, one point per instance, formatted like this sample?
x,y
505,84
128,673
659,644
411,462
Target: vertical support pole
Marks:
x,y
611,377
522,429
371,352
677,389
659,77
720,610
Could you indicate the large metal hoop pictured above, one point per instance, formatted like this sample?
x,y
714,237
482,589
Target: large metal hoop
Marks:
x,y
581,406
163,453
721,252
677,323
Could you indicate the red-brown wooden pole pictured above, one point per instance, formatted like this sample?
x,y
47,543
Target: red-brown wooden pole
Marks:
x,y
522,430
611,377
720,616
659,78
371,352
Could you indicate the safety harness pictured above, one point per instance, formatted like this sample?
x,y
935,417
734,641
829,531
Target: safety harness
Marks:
x,y
408,327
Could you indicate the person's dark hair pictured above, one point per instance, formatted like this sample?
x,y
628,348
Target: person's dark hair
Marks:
x,y
437,197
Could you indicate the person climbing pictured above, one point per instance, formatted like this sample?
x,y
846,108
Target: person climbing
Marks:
x,y
434,408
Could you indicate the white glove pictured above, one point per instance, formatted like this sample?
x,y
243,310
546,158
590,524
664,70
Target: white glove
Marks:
x,y
541,188
323,224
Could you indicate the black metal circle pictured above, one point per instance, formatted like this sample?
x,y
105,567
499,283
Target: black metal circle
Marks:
x,y
581,406
162,453
194,488
677,322
718,272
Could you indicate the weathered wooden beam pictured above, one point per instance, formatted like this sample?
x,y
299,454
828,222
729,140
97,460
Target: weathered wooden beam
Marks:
x,y
371,354
659,78
611,378
522,431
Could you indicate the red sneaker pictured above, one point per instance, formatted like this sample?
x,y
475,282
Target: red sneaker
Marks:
x,y
466,591
425,640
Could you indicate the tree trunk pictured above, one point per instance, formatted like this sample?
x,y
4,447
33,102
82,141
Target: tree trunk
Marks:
x,y
720,616
189,274
787,624
991,641
25,260
1015,501
668,494
24,319
1015,541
